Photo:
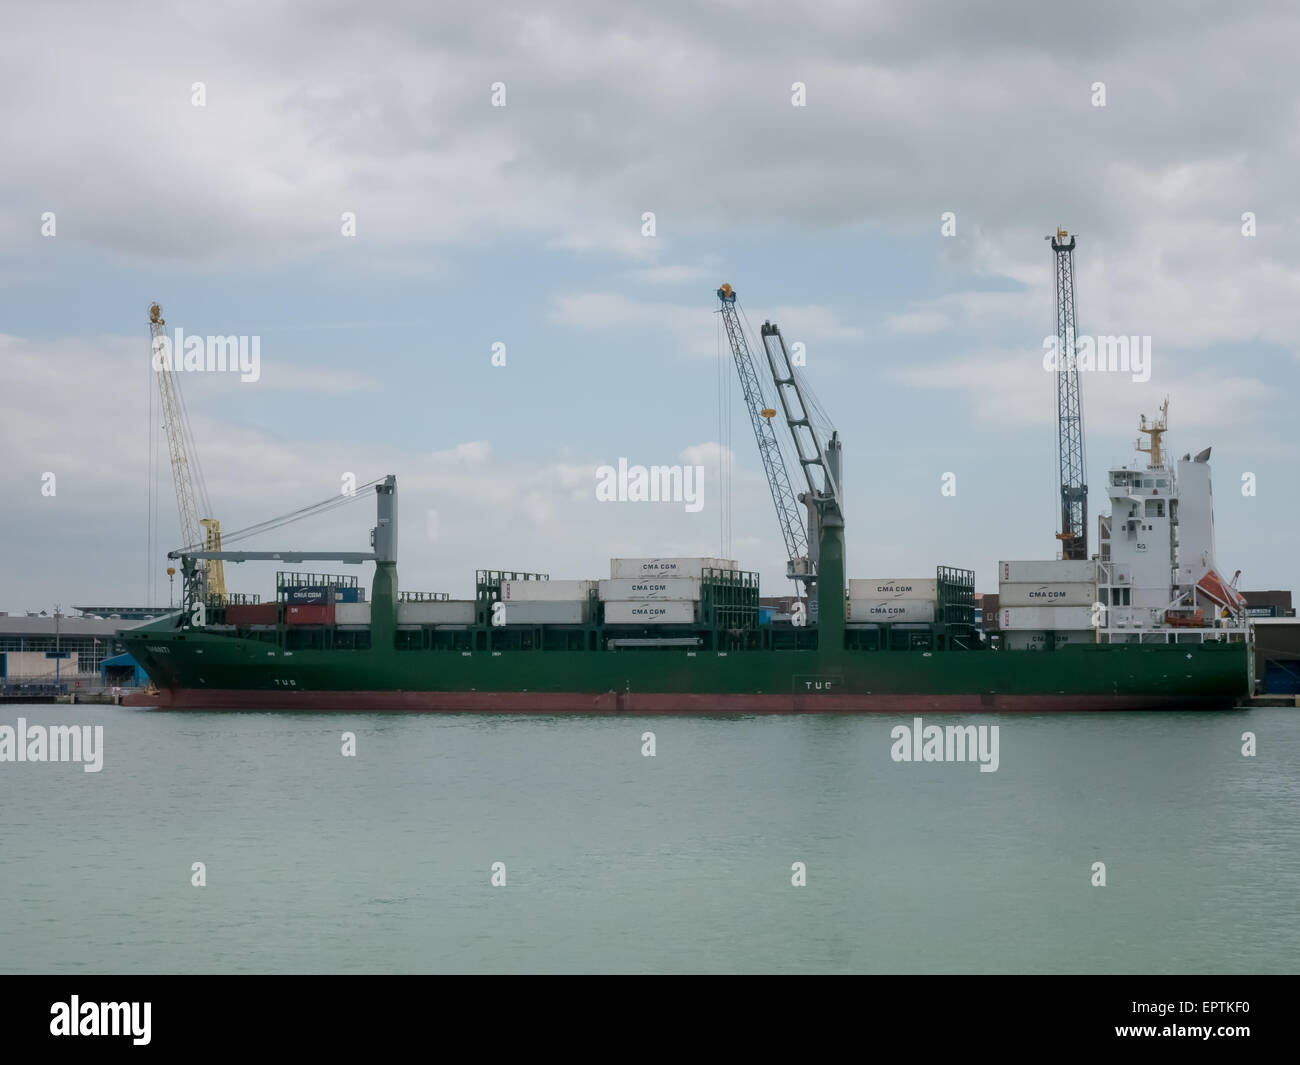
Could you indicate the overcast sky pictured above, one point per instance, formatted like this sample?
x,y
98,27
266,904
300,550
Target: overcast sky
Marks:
x,y
522,225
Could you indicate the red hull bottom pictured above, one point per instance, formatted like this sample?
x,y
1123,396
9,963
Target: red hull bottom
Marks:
x,y
654,702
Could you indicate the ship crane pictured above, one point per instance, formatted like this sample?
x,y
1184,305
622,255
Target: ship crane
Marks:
x,y
817,554
190,502
383,552
820,462
1069,409
823,495
800,564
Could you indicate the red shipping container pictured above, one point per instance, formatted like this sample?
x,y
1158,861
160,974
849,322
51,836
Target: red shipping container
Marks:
x,y
309,614
252,614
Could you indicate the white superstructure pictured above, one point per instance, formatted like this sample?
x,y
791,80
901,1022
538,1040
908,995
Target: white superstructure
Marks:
x,y
1155,576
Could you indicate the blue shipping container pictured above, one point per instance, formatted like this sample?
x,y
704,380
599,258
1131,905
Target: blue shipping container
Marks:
x,y
348,595
1282,677
307,594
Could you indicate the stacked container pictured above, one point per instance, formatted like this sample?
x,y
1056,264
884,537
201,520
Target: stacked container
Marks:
x,y
669,589
546,591
546,612
1037,640
351,614
649,612
1038,597
890,600
622,568
436,612
547,602
656,591
309,614
249,614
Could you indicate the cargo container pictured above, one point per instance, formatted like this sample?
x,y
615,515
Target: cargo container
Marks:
x,y
1047,594
436,612
349,595
620,568
252,614
679,589
352,613
1045,617
1037,640
540,612
546,591
894,588
1048,571
309,614
891,610
642,612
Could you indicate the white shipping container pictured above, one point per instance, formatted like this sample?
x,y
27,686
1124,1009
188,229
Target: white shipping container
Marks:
x,y
891,610
894,588
668,588
436,612
534,612
1048,571
545,591
1047,594
351,613
641,612
1028,640
1045,617
665,567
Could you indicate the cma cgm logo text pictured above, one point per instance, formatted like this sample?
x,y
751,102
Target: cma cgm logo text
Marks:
x,y
651,484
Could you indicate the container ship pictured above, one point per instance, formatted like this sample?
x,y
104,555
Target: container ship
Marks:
x,y
1146,622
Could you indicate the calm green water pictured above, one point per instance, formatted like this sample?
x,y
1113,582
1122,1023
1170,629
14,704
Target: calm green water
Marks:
x,y
617,862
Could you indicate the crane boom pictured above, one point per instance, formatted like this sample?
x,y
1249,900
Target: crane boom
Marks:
x,y
1069,409
788,513
825,505
195,529
807,441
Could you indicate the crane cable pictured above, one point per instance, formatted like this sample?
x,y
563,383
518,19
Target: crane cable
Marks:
x,y
784,442
324,506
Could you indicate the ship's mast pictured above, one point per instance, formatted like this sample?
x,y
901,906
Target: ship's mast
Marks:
x,y
1156,431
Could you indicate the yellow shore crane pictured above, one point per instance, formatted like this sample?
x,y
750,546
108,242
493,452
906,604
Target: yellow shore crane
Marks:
x,y
180,443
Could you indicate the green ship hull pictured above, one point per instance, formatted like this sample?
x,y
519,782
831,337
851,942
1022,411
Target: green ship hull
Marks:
x,y
216,670
725,663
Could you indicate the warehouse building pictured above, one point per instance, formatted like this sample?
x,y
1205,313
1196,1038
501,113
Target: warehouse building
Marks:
x,y
55,648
